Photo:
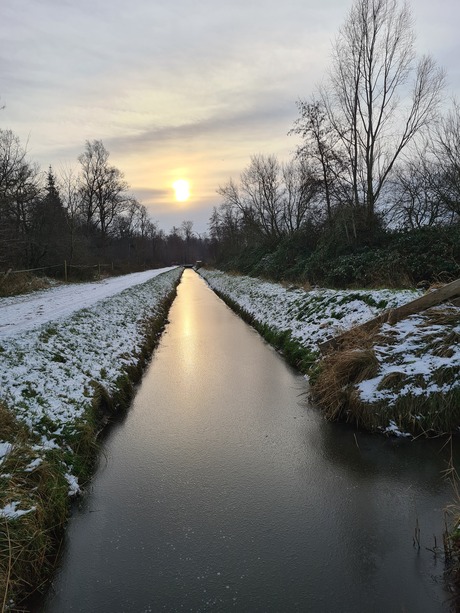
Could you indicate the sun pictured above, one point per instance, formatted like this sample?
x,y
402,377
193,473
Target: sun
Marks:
x,y
182,189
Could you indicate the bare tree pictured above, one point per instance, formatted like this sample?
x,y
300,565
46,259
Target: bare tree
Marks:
x,y
20,187
102,188
260,184
187,234
258,197
187,230
226,221
447,151
69,189
414,193
379,96
320,148
12,158
300,194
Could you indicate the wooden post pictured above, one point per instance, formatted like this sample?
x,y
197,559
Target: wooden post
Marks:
x,y
65,271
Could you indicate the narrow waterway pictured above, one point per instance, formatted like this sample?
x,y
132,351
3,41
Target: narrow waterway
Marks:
x,y
223,490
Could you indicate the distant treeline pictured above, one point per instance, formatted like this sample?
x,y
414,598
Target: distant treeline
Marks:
x,y
372,194
84,218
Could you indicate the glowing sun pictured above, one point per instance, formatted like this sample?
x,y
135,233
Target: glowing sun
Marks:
x,y
182,189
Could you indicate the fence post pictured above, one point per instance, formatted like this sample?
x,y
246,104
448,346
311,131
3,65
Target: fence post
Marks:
x,y
65,271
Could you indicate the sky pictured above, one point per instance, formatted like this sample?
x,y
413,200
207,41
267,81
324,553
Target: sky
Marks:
x,y
177,89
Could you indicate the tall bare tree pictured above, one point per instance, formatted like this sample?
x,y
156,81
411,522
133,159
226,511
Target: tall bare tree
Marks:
x,y
103,188
380,96
447,151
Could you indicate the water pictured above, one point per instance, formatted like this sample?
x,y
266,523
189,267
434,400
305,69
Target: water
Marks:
x,y
223,490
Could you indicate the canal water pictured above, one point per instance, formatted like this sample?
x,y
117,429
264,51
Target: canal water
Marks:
x,y
224,490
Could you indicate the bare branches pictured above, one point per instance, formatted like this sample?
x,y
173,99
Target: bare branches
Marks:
x,y
102,188
374,60
271,200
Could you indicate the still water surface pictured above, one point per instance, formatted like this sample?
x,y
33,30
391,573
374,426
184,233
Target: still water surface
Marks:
x,y
223,490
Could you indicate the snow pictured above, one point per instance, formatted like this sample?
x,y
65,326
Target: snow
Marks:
x,y
10,511
311,316
411,355
57,346
74,488
33,465
5,449
21,313
392,428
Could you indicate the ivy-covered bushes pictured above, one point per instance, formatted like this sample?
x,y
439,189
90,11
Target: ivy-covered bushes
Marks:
x,y
401,259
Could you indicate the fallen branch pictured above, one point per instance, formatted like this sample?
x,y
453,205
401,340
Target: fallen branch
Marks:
x,y
392,316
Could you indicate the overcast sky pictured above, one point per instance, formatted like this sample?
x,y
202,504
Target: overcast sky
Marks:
x,y
177,89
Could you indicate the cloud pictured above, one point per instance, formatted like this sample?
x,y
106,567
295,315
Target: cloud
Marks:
x,y
151,194
186,87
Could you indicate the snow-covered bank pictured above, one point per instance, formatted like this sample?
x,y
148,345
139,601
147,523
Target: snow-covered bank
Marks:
x,y
416,363
311,316
63,352
48,372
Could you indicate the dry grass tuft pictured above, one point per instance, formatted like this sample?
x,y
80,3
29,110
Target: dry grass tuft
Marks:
x,y
27,543
10,429
340,371
395,379
446,316
22,283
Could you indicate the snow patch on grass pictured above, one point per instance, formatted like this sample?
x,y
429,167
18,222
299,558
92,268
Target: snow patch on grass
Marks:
x,y
10,511
414,348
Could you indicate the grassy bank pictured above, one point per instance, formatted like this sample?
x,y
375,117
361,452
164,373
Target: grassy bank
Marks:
x,y
59,385
406,375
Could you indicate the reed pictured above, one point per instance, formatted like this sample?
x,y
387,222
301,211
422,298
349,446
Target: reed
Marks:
x,y
339,371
